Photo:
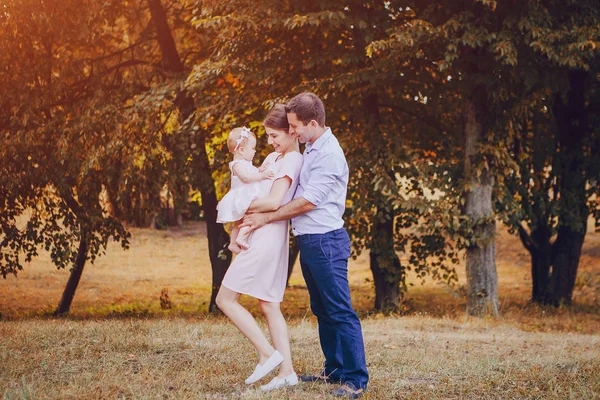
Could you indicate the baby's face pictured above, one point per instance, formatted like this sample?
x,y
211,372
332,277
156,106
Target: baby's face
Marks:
x,y
249,149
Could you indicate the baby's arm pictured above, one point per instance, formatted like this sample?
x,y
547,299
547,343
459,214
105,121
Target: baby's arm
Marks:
x,y
248,177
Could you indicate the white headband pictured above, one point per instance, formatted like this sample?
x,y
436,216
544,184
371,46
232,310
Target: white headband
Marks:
x,y
244,135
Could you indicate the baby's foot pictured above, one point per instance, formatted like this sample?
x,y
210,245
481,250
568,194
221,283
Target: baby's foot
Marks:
x,y
234,248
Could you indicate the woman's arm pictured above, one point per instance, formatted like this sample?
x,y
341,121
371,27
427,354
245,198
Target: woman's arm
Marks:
x,y
273,200
248,177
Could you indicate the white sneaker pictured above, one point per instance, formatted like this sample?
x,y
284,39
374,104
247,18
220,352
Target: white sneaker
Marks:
x,y
277,383
261,370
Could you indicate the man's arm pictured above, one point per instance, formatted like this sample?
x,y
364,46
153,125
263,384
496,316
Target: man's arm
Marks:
x,y
290,210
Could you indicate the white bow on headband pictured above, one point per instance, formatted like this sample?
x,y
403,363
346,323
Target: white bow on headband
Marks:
x,y
244,135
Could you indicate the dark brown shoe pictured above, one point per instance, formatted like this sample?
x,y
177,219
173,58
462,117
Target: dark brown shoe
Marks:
x,y
348,391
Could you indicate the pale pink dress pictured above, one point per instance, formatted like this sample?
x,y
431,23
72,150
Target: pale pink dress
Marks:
x,y
261,271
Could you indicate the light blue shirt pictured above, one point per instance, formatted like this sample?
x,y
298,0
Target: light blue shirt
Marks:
x,y
324,183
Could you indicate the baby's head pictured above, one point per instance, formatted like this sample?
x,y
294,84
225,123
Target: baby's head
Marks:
x,y
242,141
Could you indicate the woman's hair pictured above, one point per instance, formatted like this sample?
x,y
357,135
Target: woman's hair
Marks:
x,y
235,140
277,119
307,107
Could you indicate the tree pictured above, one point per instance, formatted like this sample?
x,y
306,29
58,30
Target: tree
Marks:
x,y
106,74
270,51
556,144
220,257
500,53
460,39
54,180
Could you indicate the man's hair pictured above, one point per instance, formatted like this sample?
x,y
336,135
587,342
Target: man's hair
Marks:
x,y
307,106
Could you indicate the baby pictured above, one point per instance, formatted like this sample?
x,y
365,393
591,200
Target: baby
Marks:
x,y
245,185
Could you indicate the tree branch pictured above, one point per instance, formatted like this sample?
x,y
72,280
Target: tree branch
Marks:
x,y
427,121
526,239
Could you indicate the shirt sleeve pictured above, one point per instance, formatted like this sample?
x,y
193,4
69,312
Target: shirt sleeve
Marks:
x,y
325,170
290,167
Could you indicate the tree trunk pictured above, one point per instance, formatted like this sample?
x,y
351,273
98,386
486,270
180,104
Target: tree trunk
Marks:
x,y
482,279
111,185
541,262
383,261
567,252
540,241
294,251
573,128
385,266
171,60
220,256
69,293
172,63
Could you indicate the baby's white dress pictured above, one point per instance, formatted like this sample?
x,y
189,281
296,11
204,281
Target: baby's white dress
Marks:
x,y
235,203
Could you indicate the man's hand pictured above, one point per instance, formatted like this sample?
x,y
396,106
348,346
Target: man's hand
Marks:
x,y
254,221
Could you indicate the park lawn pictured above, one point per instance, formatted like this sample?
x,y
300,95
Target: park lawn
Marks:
x,y
207,358
119,343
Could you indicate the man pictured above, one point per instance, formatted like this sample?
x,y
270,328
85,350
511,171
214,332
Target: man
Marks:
x,y
317,223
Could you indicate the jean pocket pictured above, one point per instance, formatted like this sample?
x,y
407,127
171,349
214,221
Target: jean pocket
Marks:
x,y
308,241
332,248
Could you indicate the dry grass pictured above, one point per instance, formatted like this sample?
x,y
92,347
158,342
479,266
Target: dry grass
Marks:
x,y
410,357
434,351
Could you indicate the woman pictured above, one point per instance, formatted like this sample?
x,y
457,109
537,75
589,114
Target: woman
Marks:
x,y
261,271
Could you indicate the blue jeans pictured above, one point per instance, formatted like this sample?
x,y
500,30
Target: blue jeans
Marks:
x,y
324,261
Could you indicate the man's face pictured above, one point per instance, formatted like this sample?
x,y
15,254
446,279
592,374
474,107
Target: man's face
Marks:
x,y
305,133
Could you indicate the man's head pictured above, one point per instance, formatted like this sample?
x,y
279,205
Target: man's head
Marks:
x,y
306,115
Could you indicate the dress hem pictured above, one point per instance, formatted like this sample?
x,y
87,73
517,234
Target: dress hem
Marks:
x,y
251,295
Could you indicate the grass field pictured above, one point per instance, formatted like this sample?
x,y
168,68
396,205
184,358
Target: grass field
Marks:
x,y
119,343
195,358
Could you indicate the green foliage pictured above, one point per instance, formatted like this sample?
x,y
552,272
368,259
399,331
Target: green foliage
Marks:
x,y
89,111
514,60
267,52
57,134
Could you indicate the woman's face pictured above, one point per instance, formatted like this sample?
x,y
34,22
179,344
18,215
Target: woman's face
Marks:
x,y
280,140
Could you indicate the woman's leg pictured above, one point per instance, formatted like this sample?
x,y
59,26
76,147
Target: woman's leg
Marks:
x,y
279,335
227,301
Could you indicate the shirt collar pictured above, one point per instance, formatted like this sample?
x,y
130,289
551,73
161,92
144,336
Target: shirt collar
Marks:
x,y
318,144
